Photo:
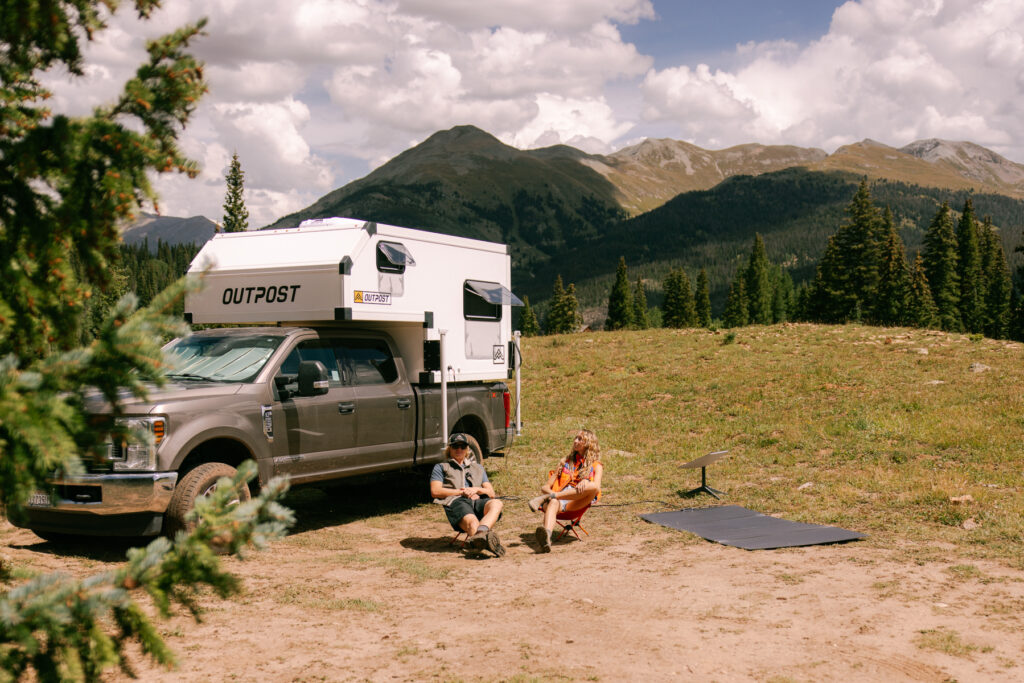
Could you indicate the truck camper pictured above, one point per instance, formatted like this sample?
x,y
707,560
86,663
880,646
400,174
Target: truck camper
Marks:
x,y
353,348
332,271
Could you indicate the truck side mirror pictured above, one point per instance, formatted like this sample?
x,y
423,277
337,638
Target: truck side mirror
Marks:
x,y
312,378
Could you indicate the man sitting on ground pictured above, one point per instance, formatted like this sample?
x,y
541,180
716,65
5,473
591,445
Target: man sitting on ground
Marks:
x,y
469,502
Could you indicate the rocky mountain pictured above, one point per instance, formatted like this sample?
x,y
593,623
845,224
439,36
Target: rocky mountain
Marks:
x,y
650,173
169,229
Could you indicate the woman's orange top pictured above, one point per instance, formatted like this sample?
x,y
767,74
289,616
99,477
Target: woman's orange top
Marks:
x,y
570,473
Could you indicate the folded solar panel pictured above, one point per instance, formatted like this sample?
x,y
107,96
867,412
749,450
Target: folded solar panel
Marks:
x,y
737,526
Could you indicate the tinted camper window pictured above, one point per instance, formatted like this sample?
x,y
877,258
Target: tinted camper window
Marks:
x,y
475,306
393,257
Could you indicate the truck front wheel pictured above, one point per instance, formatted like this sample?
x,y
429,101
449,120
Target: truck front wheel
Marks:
x,y
199,482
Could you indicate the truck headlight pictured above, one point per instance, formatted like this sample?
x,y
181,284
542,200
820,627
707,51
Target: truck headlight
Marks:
x,y
138,450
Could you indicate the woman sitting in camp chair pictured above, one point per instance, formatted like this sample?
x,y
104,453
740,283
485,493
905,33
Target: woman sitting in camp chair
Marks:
x,y
571,488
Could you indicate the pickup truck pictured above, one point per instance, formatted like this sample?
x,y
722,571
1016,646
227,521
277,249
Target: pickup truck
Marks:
x,y
313,404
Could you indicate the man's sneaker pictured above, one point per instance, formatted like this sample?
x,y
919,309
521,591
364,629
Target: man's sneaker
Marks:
x,y
543,539
477,541
494,544
536,503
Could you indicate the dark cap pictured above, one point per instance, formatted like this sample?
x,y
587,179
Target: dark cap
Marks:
x,y
458,439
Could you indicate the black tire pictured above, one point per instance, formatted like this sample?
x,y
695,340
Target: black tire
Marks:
x,y
475,452
198,482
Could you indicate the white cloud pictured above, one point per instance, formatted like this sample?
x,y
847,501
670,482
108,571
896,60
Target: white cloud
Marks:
x,y
313,93
892,70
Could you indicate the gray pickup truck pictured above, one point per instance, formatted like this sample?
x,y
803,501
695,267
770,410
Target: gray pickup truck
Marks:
x,y
314,404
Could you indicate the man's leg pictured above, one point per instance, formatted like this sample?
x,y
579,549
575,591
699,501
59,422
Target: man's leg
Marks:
x,y
492,512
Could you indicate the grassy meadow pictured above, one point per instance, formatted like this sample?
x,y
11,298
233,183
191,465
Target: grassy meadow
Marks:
x,y
913,437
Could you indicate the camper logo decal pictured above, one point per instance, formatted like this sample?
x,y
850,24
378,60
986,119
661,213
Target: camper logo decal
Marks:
x,y
382,298
281,294
498,354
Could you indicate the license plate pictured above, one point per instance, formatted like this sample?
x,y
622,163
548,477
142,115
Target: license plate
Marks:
x,y
39,500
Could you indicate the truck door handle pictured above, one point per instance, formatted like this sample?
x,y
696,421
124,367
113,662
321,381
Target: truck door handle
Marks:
x,y
346,408
404,403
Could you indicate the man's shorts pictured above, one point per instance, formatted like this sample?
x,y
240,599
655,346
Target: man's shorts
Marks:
x,y
460,507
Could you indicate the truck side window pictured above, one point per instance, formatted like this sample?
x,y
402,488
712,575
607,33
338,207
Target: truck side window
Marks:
x,y
313,349
393,257
370,361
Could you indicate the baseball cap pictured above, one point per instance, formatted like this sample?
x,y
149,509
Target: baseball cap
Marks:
x,y
458,439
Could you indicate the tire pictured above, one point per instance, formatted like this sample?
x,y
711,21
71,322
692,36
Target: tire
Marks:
x,y
475,452
199,482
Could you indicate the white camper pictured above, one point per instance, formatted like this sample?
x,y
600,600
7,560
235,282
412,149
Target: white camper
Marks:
x,y
416,285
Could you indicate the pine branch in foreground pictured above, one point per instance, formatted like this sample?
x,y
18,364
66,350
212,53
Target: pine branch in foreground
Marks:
x,y
65,629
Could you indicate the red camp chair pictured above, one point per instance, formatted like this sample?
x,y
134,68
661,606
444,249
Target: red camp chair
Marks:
x,y
569,520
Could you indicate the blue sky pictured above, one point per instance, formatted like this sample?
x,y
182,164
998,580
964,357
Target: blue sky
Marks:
x,y
688,32
313,94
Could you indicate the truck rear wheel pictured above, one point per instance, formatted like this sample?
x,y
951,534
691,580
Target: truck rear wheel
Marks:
x,y
475,451
199,482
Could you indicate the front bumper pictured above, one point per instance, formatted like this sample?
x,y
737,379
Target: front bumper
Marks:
x,y
122,504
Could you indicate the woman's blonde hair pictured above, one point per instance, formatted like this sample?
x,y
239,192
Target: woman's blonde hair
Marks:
x,y
591,450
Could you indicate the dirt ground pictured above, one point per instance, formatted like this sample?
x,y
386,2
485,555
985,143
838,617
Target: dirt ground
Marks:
x,y
385,597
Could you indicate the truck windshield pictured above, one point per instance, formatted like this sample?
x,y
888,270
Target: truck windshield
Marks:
x,y
228,358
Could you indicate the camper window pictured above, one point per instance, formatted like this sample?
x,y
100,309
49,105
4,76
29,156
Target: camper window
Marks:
x,y
393,257
477,306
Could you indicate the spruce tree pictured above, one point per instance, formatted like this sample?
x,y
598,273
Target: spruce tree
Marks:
x,y
563,314
783,295
68,183
847,277
998,285
689,309
573,318
620,300
674,308
969,271
736,307
758,285
528,325
702,300
893,278
920,310
641,319
940,267
236,216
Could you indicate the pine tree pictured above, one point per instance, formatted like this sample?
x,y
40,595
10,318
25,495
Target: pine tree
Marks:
x,y
573,317
940,267
528,324
702,300
972,285
67,184
998,286
620,300
920,310
783,295
563,315
847,277
736,307
758,285
641,320
893,278
236,216
674,308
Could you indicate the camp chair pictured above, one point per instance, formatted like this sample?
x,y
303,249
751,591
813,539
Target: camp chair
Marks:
x,y
569,520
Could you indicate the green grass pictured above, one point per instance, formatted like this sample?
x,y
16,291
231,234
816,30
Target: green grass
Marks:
x,y
946,641
888,436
